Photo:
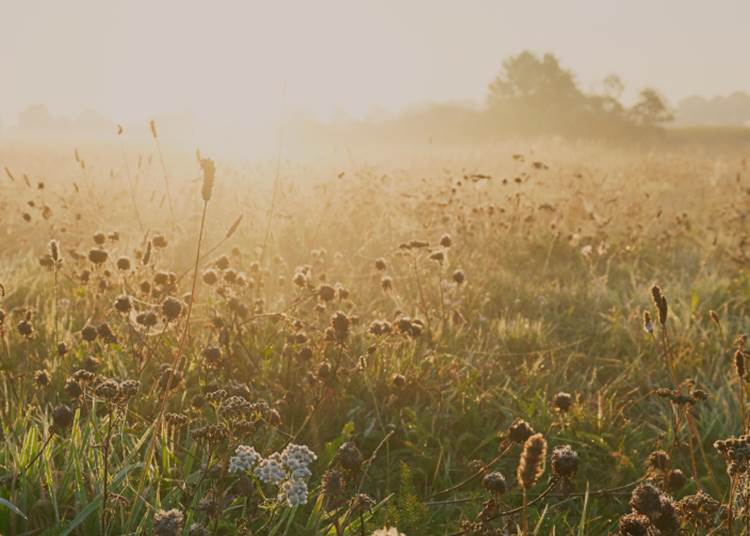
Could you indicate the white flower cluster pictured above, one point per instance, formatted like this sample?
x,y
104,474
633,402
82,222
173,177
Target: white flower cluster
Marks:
x,y
296,460
244,459
289,469
271,470
294,492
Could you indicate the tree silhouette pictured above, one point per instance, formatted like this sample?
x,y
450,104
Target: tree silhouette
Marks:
x,y
651,109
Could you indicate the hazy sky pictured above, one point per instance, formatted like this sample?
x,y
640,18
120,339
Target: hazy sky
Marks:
x,y
132,58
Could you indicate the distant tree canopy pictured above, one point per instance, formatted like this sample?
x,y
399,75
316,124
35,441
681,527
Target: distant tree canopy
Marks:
x,y
531,95
535,94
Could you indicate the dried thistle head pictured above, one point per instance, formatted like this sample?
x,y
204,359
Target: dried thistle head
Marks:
x,y
168,523
658,461
564,462
519,431
635,524
562,402
349,457
494,483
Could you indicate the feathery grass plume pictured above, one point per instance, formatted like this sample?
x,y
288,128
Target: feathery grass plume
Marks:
x,y
152,126
532,462
54,250
233,228
147,255
714,316
9,174
660,301
209,175
739,363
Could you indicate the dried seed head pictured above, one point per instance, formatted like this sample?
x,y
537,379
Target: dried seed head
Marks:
x,y
459,277
562,401
122,304
72,388
98,256
660,301
41,378
340,324
62,417
380,264
386,283
646,500
108,389
532,462
349,456
675,480
210,277
123,263
54,251
168,523
494,483
564,462
519,431
635,524
326,293
446,241
88,333
171,308
209,175
25,328
658,461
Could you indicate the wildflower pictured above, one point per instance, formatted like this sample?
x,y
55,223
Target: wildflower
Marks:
x,y
271,470
294,492
244,459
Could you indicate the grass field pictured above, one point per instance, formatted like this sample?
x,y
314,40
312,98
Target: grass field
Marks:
x,y
190,348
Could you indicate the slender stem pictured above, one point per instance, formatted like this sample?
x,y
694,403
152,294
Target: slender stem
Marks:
x,y
525,514
166,180
473,476
158,421
105,491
